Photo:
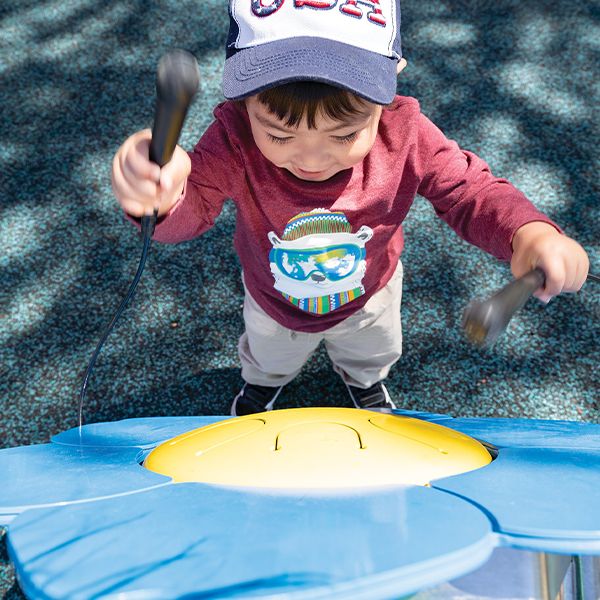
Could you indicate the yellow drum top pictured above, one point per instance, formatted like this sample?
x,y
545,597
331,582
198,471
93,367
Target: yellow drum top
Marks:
x,y
318,448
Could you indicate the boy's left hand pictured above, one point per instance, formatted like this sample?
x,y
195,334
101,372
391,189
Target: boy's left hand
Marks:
x,y
564,262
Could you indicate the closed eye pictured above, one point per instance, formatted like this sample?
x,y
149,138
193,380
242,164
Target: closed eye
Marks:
x,y
279,140
346,139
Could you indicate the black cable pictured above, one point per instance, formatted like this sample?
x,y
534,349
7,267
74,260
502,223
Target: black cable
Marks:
x,y
177,81
148,224
595,278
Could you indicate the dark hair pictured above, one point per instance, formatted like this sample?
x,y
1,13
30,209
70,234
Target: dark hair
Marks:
x,y
292,102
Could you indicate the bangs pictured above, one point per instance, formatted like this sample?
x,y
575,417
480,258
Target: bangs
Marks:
x,y
292,102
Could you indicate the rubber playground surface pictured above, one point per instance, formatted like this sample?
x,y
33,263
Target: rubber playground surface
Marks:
x,y
515,82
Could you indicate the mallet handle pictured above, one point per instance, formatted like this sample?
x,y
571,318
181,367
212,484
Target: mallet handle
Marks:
x,y
177,81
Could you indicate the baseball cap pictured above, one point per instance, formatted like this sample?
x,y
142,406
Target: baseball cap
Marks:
x,y
351,44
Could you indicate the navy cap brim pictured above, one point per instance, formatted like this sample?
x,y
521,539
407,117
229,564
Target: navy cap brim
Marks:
x,y
251,70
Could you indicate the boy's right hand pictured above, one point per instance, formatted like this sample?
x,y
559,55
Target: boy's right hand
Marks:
x,y
140,185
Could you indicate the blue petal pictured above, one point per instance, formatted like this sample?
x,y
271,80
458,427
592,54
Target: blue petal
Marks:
x,y
48,474
530,433
136,433
544,498
185,539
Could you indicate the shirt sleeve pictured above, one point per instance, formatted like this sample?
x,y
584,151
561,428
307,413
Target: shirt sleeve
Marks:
x,y
484,210
216,175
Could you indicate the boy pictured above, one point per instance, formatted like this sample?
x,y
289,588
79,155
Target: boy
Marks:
x,y
323,161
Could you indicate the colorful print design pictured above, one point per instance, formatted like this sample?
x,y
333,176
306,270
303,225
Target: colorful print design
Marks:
x,y
318,263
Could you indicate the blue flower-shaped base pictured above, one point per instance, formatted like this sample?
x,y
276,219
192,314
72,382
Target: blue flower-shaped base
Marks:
x,y
86,520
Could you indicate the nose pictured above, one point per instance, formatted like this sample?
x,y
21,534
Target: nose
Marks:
x,y
312,155
317,277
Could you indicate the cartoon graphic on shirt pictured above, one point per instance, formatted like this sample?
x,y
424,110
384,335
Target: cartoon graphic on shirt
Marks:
x,y
318,263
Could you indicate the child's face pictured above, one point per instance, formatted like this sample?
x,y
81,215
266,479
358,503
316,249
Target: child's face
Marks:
x,y
314,154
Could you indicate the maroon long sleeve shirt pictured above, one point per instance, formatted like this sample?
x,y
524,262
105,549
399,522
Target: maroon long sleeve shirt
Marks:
x,y
310,270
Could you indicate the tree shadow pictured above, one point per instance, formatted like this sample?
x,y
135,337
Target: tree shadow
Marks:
x,y
513,81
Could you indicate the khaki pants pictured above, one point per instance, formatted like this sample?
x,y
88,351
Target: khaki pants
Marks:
x,y
362,348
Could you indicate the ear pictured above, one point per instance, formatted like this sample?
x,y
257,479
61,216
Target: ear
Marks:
x,y
274,239
364,233
401,66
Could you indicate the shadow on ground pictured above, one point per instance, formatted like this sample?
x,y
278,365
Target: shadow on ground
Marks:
x,y
514,81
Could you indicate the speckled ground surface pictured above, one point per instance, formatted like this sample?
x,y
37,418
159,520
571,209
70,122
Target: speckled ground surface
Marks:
x,y
514,81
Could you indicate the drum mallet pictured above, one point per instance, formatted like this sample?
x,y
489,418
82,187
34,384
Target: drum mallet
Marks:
x,y
484,321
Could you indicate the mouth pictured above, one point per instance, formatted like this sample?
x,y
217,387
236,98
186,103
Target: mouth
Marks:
x,y
310,174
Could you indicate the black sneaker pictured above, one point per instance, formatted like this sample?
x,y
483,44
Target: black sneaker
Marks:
x,y
254,399
376,396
